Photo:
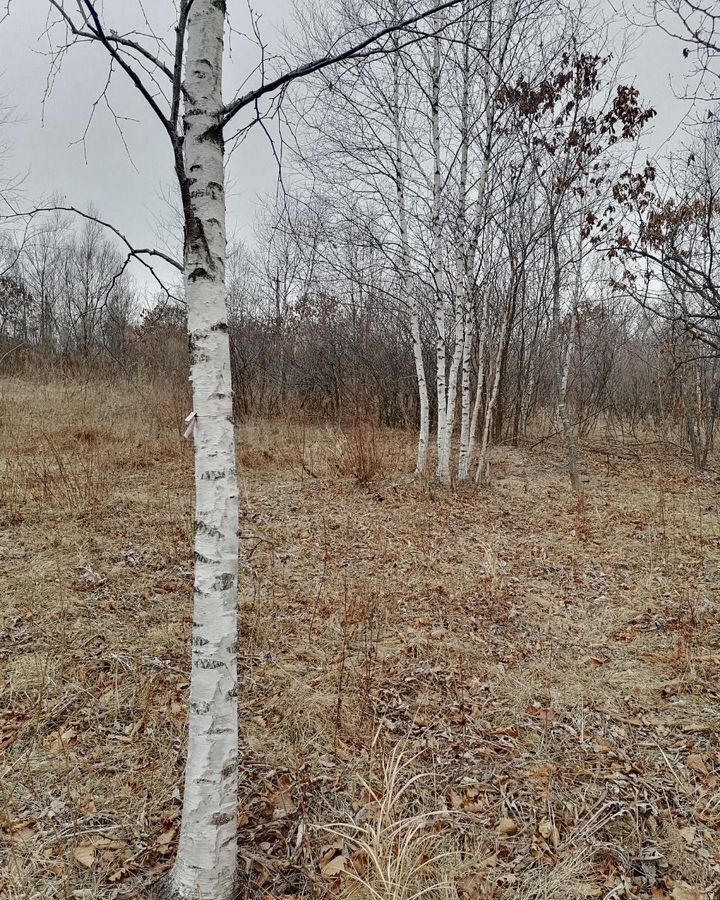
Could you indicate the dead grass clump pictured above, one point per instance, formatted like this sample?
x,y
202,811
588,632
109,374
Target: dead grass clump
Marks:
x,y
493,574
13,492
78,481
252,458
389,849
161,402
271,444
75,481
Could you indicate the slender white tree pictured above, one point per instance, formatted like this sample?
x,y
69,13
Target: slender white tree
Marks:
x,y
409,295
437,263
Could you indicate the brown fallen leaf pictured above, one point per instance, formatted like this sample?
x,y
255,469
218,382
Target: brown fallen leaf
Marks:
x,y
602,744
87,807
171,813
117,876
360,862
20,833
688,834
549,832
470,800
545,714
84,854
177,711
282,801
159,868
471,886
162,844
508,827
7,739
62,740
697,764
683,891
334,866
542,773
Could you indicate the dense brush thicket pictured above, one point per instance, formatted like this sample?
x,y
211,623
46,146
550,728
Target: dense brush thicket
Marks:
x,y
344,359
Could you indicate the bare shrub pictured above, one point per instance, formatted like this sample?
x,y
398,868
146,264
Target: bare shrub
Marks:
x,y
362,453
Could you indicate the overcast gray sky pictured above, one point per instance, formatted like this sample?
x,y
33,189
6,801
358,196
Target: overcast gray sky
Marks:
x,y
101,174
42,141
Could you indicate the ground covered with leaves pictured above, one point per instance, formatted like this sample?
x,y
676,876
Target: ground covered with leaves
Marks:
x,y
496,693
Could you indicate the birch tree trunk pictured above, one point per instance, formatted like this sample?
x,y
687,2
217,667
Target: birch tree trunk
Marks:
x,y
206,859
467,440
469,420
451,397
443,469
409,294
483,466
562,364
469,334
461,281
424,435
564,375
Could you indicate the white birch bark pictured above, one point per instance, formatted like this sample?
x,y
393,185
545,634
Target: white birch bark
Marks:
x,y
409,297
483,465
469,424
451,400
424,435
462,284
562,359
468,337
469,420
206,860
437,266
564,376
467,443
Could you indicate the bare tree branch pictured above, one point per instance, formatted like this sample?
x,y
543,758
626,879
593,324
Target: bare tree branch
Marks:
x,y
180,29
112,38
361,50
138,253
94,31
135,251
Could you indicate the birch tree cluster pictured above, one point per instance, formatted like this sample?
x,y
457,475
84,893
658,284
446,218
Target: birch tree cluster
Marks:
x,y
461,245
447,250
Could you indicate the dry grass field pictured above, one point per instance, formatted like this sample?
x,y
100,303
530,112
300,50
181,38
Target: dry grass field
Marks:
x,y
476,694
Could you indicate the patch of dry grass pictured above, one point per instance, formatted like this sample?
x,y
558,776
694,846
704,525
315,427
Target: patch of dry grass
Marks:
x,y
478,694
